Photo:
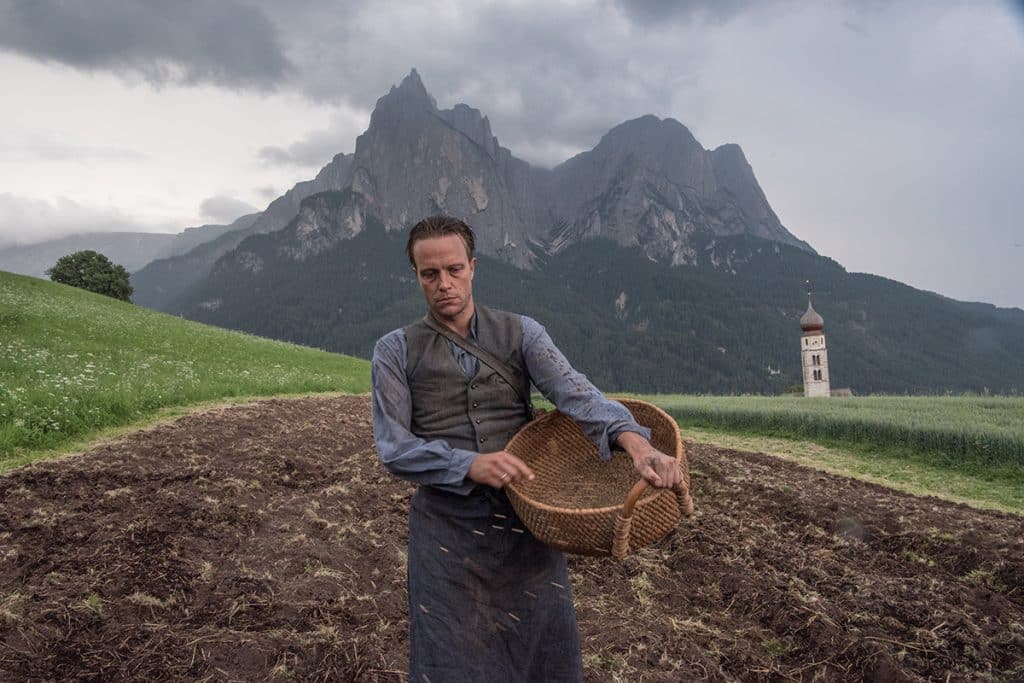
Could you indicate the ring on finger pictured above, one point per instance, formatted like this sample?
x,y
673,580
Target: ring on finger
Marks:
x,y
504,476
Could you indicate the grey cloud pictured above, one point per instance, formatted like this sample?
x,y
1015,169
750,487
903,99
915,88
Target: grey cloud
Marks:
x,y
854,26
652,11
226,43
657,11
24,220
267,192
552,77
277,156
223,209
312,151
59,152
56,150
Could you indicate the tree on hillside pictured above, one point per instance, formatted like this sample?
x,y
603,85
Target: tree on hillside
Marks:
x,y
93,271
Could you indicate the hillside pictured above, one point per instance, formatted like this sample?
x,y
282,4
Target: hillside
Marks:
x,y
73,362
727,324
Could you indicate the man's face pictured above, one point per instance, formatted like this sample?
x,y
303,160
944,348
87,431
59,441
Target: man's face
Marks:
x,y
445,272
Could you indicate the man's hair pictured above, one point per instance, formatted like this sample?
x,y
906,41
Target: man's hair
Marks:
x,y
440,226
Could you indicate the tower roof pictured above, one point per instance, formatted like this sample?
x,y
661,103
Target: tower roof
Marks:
x,y
811,321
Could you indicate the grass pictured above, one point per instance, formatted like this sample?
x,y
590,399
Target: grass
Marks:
x,y
898,469
964,448
76,365
973,434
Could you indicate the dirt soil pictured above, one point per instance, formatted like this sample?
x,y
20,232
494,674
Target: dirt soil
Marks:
x,y
265,542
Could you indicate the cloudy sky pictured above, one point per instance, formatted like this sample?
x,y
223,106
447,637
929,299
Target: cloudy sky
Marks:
x,y
886,133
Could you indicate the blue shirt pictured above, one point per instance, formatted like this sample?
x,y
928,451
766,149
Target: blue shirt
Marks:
x,y
438,464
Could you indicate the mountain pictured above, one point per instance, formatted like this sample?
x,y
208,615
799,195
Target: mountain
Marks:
x,y
415,160
190,238
648,183
133,250
657,265
164,280
727,323
129,249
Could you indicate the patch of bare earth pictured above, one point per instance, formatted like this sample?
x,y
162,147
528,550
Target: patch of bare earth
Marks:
x,y
265,542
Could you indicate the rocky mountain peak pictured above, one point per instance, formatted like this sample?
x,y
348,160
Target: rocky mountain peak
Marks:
x,y
649,130
474,125
647,183
650,183
415,160
664,146
409,99
730,152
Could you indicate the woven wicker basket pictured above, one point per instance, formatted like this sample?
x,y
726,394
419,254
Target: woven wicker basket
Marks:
x,y
581,505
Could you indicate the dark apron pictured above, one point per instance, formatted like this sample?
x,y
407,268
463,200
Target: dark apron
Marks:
x,y
487,601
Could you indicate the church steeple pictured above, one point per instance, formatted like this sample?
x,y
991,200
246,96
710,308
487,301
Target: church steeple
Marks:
x,y
811,321
813,353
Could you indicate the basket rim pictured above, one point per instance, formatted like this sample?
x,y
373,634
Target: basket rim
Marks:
x,y
646,498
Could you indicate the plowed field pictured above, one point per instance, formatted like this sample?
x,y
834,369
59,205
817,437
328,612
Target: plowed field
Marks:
x,y
264,542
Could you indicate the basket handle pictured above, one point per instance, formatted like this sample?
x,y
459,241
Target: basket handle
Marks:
x,y
624,520
683,498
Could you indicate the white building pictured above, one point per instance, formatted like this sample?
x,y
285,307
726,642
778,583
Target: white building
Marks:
x,y
813,354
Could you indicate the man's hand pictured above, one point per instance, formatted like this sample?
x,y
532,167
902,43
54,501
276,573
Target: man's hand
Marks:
x,y
497,469
660,470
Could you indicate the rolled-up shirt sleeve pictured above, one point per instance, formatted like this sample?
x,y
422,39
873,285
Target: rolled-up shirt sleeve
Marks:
x,y
400,451
600,418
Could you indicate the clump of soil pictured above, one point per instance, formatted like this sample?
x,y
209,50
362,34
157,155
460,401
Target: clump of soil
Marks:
x,y
265,542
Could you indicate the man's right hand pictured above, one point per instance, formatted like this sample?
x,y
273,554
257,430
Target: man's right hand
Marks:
x,y
497,469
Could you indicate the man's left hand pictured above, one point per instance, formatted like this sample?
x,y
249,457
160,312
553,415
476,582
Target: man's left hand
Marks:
x,y
660,470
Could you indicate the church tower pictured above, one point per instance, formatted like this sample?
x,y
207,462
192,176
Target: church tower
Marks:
x,y
813,355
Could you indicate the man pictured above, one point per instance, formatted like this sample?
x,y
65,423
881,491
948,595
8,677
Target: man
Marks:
x,y
487,601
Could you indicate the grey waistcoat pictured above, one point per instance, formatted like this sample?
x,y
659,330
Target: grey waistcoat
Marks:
x,y
479,413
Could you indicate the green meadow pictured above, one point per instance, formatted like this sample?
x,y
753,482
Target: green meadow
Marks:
x,y
74,363
968,448
958,430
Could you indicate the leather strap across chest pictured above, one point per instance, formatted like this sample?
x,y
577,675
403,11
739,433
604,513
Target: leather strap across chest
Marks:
x,y
482,354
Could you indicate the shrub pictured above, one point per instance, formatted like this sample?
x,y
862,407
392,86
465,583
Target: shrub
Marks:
x,y
93,271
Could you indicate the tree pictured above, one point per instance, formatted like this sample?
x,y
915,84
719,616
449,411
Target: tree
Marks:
x,y
93,271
